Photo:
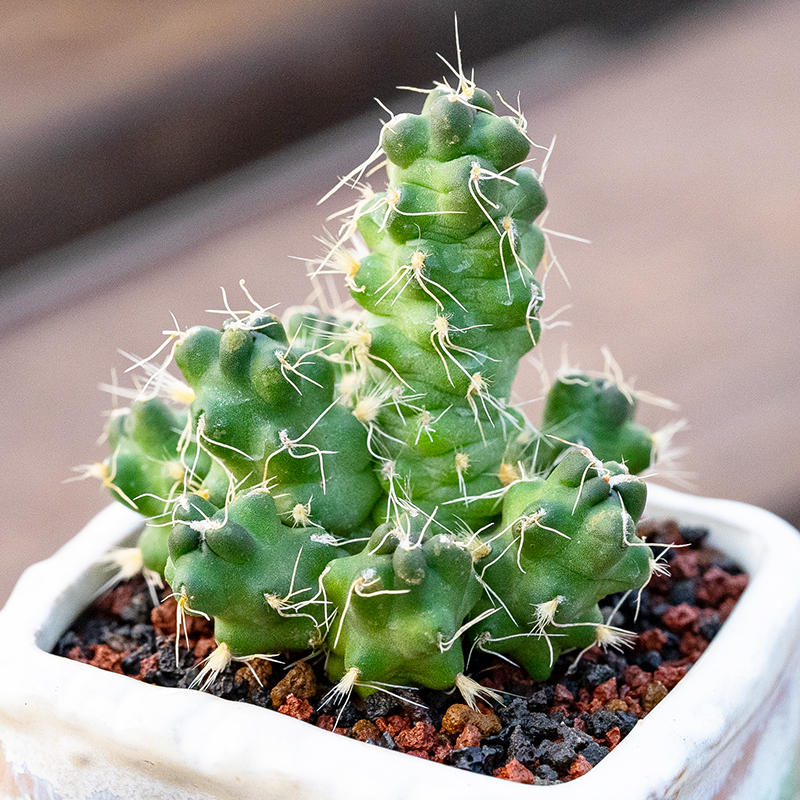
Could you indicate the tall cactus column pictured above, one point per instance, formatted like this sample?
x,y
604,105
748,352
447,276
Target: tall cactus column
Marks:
x,y
451,294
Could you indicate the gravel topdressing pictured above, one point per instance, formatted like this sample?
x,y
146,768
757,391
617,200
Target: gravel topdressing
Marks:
x,y
543,733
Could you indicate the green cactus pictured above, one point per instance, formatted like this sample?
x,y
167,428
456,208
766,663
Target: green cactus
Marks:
x,y
258,578
401,603
595,413
266,410
152,459
565,543
393,425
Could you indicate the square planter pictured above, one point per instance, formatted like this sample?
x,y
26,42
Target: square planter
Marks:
x,y
68,731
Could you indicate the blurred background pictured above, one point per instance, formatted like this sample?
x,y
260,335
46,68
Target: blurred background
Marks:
x,y
153,152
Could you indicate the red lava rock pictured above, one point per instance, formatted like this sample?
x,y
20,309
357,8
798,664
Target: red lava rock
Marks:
x,y
725,608
634,707
105,658
469,737
76,654
419,754
652,639
636,677
563,696
606,691
164,617
583,701
441,752
681,617
296,707
393,724
717,585
580,766
669,674
147,666
736,585
328,723
613,737
684,565
514,771
693,645
580,725
121,598
421,737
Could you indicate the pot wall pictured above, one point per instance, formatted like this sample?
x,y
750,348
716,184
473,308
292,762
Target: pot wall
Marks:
x,y
729,731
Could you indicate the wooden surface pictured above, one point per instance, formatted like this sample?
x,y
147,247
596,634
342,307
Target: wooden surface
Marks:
x,y
677,157
108,106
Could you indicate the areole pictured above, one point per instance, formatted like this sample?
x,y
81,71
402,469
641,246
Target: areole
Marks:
x,y
730,730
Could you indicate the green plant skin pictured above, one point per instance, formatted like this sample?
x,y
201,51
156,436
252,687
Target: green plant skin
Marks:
x,y
154,544
228,566
451,296
595,413
602,556
395,638
265,423
147,468
397,417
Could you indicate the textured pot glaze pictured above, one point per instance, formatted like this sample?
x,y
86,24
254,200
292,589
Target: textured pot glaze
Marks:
x,y
730,730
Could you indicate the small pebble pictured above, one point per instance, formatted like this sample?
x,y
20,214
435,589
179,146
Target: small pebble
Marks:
x,y
300,681
458,716
296,707
653,694
514,771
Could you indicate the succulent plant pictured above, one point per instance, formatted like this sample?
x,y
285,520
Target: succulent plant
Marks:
x,y
360,484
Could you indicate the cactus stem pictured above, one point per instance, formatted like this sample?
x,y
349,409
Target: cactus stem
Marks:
x,y
288,445
202,435
426,423
493,595
482,639
283,360
508,474
344,260
242,320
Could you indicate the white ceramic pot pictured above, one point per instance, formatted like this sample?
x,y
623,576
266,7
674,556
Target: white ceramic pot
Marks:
x,y
68,731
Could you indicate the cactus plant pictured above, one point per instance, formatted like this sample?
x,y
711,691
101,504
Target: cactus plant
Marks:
x,y
360,484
